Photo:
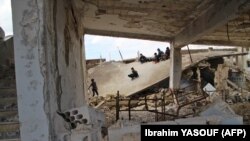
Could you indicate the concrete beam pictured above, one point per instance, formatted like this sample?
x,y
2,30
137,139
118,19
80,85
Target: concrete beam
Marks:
x,y
223,43
126,35
216,15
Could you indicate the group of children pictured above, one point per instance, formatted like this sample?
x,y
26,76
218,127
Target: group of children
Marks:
x,y
159,56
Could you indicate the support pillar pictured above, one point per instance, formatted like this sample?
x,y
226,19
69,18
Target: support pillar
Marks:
x,y
85,72
236,60
241,61
175,68
231,60
30,70
244,59
50,72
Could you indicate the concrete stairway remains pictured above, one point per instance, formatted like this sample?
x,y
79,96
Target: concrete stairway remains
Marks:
x,y
9,124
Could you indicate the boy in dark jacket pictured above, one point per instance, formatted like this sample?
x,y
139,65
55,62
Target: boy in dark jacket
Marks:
x,y
134,74
94,87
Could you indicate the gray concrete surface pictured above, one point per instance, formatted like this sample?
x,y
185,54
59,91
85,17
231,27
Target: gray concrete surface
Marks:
x,y
113,76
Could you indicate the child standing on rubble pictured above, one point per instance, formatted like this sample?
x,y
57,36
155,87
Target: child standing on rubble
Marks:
x,y
94,87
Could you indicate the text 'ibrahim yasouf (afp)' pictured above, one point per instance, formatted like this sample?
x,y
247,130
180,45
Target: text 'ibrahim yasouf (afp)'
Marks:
x,y
195,132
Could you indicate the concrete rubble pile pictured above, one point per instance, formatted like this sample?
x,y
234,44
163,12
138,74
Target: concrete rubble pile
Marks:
x,y
108,106
226,101
217,112
231,95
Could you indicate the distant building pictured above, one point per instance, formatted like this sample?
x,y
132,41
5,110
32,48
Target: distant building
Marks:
x,y
2,34
7,51
94,62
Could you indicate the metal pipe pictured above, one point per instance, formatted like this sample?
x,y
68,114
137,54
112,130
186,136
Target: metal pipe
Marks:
x,y
146,104
163,103
129,110
156,114
117,106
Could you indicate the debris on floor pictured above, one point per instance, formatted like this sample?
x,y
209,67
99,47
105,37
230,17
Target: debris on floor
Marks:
x,y
225,99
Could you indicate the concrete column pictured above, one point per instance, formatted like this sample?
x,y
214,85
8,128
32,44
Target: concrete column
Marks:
x,y
50,77
231,59
30,69
175,67
236,60
85,72
240,60
248,60
244,59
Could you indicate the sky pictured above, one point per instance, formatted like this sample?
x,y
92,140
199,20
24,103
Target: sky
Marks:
x,y
109,47
99,46
6,16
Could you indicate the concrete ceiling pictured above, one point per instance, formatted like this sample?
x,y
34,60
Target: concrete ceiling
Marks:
x,y
235,32
220,22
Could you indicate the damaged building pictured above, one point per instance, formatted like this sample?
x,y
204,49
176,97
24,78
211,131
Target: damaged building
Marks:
x,y
43,85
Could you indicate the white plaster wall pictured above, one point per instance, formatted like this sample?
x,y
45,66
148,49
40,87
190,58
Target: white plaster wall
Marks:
x,y
27,25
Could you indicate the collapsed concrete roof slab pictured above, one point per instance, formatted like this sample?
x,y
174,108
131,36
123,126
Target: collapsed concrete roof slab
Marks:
x,y
113,76
218,107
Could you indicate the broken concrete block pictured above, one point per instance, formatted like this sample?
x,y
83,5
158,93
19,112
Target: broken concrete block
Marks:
x,y
209,89
124,130
218,107
131,137
191,121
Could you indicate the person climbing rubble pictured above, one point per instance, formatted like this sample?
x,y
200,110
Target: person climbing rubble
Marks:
x,y
94,87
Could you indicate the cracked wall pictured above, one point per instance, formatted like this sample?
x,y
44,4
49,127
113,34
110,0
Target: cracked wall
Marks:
x,y
49,61
69,32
